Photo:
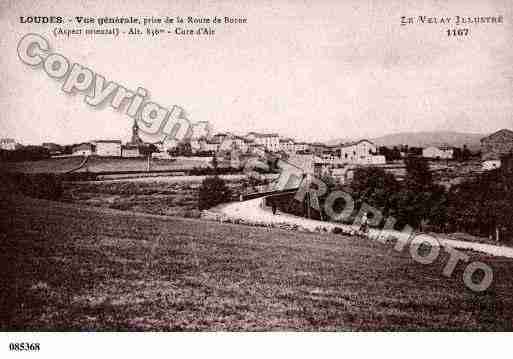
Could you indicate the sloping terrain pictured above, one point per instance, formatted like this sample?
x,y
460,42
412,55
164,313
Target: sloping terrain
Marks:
x,y
51,165
97,164
435,138
424,139
72,267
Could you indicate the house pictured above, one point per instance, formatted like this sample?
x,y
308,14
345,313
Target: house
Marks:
x,y
226,144
329,155
489,165
111,148
287,145
83,149
195,145
54,148
220,137
162,153
494,146
362,152
309,164
235,159
240,143
271,141
301,147
208,145
318,148
257,150
130,150
443,152
8,144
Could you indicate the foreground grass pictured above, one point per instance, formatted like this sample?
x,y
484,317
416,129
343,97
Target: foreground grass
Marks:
x,y
51,165
175,199
68,267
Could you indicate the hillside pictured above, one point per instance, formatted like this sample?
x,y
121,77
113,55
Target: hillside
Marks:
x,y
425,139
98,164
68,267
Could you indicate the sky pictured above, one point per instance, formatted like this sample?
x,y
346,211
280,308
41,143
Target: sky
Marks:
x,y
312,70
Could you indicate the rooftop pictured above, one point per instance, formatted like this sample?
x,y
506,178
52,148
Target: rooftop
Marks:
x,y
107,141
257,134
354,143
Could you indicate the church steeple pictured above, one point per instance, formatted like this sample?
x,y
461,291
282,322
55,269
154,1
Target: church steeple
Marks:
x,y
136,140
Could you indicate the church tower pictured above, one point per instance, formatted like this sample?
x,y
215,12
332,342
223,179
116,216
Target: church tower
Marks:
x,y
136,140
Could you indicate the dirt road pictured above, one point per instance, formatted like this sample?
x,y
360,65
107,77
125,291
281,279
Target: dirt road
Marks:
x,y
254,210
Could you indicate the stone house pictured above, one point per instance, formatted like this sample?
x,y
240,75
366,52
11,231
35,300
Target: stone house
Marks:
x,y
443,152
108,148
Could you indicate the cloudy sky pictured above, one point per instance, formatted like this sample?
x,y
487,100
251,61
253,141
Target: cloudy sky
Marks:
x,y
314,70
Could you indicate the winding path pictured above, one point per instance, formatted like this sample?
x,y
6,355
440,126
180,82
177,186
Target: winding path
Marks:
x,y
254,210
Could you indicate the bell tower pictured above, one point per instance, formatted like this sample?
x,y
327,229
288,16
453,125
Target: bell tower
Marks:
x,y
136,140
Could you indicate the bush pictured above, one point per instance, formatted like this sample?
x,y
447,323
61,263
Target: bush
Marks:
x,y
213,191
191,213
338,230
206,171
79,176
482,205
27,153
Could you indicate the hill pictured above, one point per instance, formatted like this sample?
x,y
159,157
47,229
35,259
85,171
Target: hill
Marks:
x,y
98,164
425,139
71,267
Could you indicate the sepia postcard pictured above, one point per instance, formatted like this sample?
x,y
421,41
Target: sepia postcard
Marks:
x,y
255,166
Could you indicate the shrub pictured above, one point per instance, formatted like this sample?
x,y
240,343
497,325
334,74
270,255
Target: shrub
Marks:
x,y
79,176
213,191
338,230
27,153
206,171
192,213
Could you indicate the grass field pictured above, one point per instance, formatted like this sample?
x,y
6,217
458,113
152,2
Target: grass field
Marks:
x,y
72,267
154,197
52,165
174,199
98,164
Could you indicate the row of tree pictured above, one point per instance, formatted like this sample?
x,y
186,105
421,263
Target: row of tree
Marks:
x,y
482,205
26,153
398,152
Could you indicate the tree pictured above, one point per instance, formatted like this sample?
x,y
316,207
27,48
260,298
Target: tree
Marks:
x,y
483,205
183,148
421,200
147,150
215,164
393,154
26,153
375,187
418,175
465,154
213,191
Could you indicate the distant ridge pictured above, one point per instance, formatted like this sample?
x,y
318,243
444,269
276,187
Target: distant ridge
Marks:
x,y
425,139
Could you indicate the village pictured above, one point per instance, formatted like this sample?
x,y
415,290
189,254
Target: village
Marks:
x,y
337,160
119,196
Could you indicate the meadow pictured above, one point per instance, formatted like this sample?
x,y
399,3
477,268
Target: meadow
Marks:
x,y
152,196
98,164
75,267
